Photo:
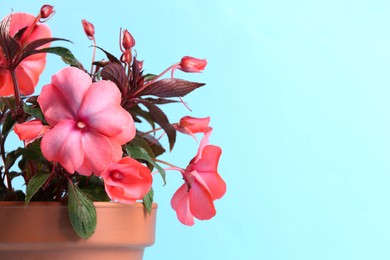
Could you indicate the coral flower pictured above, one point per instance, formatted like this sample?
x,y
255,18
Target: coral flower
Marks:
x,y
203,185
31,130
89,124
191,64
192,125
127,180
29,70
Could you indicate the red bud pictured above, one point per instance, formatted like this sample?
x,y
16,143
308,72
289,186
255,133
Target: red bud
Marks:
x,y
47,11
126,57
128,41
89,29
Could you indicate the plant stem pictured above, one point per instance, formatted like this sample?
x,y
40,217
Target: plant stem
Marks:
x,y
154,79
18,100
166,163
6,173
155,130
93,55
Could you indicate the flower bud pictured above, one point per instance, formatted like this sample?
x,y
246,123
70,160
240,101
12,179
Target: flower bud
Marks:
x,y
194,124
128,41
46,11
126,57
89,29
140,64
190,64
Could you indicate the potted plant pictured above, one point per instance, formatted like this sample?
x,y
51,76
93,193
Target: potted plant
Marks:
x,y
86,166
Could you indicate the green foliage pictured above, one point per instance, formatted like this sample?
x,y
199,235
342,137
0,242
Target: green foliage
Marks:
x,y
34,185
148,200
93,187
137,152
81,211
65,54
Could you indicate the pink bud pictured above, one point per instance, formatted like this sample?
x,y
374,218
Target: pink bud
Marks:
x,y
126,57
89,29
140,64
190,64
192,125
31,130
46,11
128,41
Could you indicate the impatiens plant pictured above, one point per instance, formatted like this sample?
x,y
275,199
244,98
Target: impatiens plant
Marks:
x,y
81,142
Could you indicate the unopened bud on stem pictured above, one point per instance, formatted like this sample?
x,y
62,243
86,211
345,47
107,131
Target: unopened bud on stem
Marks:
x,y
89,29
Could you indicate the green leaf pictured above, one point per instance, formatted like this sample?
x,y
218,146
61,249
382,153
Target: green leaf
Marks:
x,y
110,57
141,142
32,151
11,158
34,185
81,211
96,193
137,152
148,200
65,54
138,111
35,112
8,124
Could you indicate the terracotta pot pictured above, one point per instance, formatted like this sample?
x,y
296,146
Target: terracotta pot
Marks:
x,y
43,231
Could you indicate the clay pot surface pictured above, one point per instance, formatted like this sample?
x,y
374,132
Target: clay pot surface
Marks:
x,y
43,231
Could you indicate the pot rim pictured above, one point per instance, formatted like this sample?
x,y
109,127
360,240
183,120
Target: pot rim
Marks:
x,y
100,204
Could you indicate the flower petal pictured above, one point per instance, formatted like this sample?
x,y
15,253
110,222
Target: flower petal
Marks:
x,y
207,170
31,130
54,105
201,200
131,176
98,152
181,204
63,144
73,84
102,111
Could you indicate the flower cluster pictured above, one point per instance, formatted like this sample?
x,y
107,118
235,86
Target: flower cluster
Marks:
x,y
80,135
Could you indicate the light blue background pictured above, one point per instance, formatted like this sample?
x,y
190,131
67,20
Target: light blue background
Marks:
x,y
298,93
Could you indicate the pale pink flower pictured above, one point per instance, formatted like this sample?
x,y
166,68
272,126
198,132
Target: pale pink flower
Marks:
x,y
127,180
88,123
202,185
192,125
31,130
29,70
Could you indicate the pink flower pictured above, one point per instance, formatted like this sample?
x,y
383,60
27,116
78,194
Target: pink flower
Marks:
x,y
127,180
89,124
31,130
203,185
192,125
29,70
89,29
191,64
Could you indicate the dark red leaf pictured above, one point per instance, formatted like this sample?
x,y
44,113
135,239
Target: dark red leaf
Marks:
x,y
19,34
160,118
31,48
9,45
116,73
161,101
170,88
135,77
110,57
